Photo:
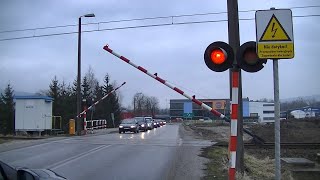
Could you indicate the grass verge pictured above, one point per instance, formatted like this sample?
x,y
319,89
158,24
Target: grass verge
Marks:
x,y
217,167
255,168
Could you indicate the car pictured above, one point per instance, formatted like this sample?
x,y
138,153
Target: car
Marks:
x,y
154,122
157,122
150,125
143,125
162,122
8,172
130,124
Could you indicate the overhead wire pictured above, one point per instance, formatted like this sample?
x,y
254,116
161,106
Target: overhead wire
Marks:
x,y
149,18
141,26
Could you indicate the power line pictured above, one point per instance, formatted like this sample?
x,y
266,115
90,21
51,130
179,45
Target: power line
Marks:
x,y
147,18
141,26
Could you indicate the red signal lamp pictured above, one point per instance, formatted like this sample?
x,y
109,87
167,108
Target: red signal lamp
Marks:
x,y
219,56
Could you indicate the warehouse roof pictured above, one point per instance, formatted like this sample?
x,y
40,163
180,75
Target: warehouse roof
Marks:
x,y
46,98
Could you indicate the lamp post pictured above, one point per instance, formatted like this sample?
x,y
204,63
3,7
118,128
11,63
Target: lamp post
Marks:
x,y
79,127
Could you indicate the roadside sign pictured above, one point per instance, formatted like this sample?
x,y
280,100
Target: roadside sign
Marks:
x,y
187,115
274,34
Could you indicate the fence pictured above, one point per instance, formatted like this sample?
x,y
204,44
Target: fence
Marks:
x,y
91,125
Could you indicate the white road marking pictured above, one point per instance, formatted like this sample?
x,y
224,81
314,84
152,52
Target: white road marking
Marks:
x,y
76,157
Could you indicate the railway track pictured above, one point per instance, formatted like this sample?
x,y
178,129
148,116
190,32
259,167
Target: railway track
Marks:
x,y
293,145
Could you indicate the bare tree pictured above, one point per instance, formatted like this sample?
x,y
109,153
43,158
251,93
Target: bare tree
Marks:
x,y
92,81
145,105
154,105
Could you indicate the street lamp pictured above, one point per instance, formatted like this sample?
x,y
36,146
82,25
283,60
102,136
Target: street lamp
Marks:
x,y
79,127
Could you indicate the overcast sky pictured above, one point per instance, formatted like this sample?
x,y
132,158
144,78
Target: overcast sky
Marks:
x,y
174,52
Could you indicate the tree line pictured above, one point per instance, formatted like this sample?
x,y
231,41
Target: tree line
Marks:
x,y
65,99
144,105
298,103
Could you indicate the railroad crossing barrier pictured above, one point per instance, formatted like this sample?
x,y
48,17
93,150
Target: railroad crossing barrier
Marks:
x,y
95,124
91,125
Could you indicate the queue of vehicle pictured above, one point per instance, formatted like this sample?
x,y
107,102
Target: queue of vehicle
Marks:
x,y
137,124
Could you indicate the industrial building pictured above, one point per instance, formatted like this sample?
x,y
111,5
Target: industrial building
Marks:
x,y
184,108
262,112
33,113
258,111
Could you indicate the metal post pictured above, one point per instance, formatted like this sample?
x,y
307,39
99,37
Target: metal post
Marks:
x,y
78,124
234,42
276,119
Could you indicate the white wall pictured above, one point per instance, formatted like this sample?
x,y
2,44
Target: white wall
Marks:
x,y
270,114
33,114
256,107
265,112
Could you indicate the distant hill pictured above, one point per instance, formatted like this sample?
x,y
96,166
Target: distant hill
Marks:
x,y
307,98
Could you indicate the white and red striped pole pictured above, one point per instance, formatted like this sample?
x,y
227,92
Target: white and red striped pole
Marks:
x,y
156,77
97,102
234,125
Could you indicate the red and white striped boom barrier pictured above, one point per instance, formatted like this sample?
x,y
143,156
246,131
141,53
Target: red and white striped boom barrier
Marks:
x,y
97,102
156,77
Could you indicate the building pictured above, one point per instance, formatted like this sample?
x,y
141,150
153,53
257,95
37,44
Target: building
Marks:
x,y
258,111
33,113
310,111
262,112
185,108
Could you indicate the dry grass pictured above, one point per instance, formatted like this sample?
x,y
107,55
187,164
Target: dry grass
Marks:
x,y
261,169
217,167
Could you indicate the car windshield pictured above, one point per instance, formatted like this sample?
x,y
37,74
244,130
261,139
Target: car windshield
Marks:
x,y
97,89
139,119
128,121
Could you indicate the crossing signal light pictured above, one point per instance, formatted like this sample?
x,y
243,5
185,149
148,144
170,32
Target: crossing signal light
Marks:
x,y
219,56
247,58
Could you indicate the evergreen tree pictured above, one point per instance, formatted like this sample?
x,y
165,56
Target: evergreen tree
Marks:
x,y
7,111
98,110
85,89
53,92
111,103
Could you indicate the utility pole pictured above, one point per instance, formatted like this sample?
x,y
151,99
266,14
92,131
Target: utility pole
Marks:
x,y
78,120
234,42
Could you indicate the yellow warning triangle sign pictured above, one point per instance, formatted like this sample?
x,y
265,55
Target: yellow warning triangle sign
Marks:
x,y
274,31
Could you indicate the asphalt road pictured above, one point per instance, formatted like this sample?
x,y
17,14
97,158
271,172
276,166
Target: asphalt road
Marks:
x,y
156,154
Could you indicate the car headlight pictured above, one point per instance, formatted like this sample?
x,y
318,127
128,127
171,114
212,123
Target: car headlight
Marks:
x,y
120,126
132,126
142,125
